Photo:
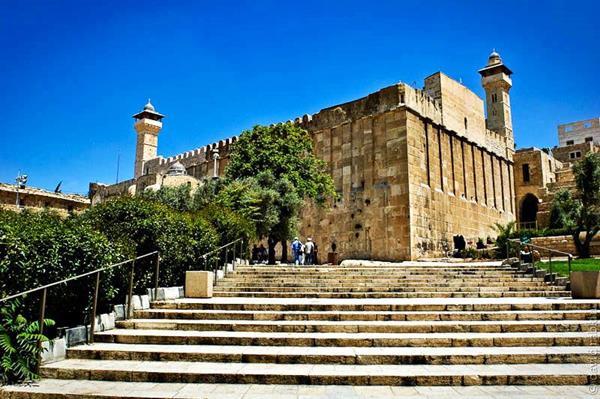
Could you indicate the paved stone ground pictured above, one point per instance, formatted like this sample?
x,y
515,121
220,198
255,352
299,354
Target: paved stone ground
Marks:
x,y
235,391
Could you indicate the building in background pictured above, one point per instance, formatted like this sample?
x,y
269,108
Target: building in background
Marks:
x,y
17,197
412,166
540,174
579,132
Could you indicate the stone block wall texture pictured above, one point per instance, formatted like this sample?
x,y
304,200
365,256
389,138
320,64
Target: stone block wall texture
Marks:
x,y
406,183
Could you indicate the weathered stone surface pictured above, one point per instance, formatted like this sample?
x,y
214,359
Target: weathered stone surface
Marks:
x,y
198,284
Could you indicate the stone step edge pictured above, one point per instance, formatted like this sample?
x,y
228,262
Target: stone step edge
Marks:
x,y
344,355
415,323
266,373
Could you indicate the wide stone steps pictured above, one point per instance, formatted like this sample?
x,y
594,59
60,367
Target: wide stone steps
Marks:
x,y
267,373
372,324
380,305
174,314
254,338
413,294
390,289
362,326
341,355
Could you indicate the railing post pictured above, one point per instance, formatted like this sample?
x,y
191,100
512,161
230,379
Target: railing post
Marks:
x,y
225,265
569,260
156,274
234,258
550,262
242,249
41,325
507,245
130,304
94,309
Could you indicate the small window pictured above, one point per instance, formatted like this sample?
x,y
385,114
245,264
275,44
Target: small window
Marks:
x,y
575,155
589,139
568,129
526,176
494,97
466,124
550,165
570,142
587,125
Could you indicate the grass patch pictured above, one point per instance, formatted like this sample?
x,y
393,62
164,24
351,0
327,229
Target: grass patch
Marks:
x,y
562,267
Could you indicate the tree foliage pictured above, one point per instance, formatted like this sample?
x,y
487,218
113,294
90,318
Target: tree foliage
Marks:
x,y
178,198
141,226
276,166
579,212
286,151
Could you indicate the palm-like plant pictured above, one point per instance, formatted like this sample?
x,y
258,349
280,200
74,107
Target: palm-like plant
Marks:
x,y
19,345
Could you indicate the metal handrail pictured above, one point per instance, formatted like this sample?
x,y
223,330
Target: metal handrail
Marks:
x,y
44,291
97,272
75,277
550,251
222,247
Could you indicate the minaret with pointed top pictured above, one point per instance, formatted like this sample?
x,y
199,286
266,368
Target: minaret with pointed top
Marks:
x,y
496,80
148,124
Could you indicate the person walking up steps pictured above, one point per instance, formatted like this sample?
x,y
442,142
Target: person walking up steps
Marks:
x,y
296,248
309,251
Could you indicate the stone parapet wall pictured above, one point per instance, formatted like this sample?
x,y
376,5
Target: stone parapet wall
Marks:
x,y
564,244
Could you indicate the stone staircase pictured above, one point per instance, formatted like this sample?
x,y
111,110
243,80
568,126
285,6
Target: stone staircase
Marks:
x,y
361,324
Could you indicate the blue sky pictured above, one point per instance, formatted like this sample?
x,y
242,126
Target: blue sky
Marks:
x,y
73,72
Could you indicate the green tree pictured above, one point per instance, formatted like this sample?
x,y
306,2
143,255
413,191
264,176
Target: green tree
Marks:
x,y
178,198
294,174
579,213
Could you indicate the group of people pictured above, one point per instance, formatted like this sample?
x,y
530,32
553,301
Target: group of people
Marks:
x,y
259,255
304,253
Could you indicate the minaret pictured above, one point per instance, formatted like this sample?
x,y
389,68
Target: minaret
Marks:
x,y
495,79
147,125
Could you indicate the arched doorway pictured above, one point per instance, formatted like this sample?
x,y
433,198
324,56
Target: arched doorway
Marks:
x,y
529,209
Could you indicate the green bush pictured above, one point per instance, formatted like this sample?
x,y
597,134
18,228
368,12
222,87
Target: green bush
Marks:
x,y
42,248
19,344
140,226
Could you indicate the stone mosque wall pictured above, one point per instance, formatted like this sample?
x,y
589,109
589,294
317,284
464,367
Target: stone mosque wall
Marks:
x,y
407,183
411,168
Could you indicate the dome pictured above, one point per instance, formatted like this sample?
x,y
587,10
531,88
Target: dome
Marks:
x,y
176,169
494,58
149,106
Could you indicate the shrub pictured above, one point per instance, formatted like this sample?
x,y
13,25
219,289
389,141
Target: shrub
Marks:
x,y
41,248
141,226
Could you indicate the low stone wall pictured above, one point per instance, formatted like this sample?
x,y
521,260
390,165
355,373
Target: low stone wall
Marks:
x,y
564,244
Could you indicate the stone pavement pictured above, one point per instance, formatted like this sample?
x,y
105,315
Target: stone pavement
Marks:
x,y
52,389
